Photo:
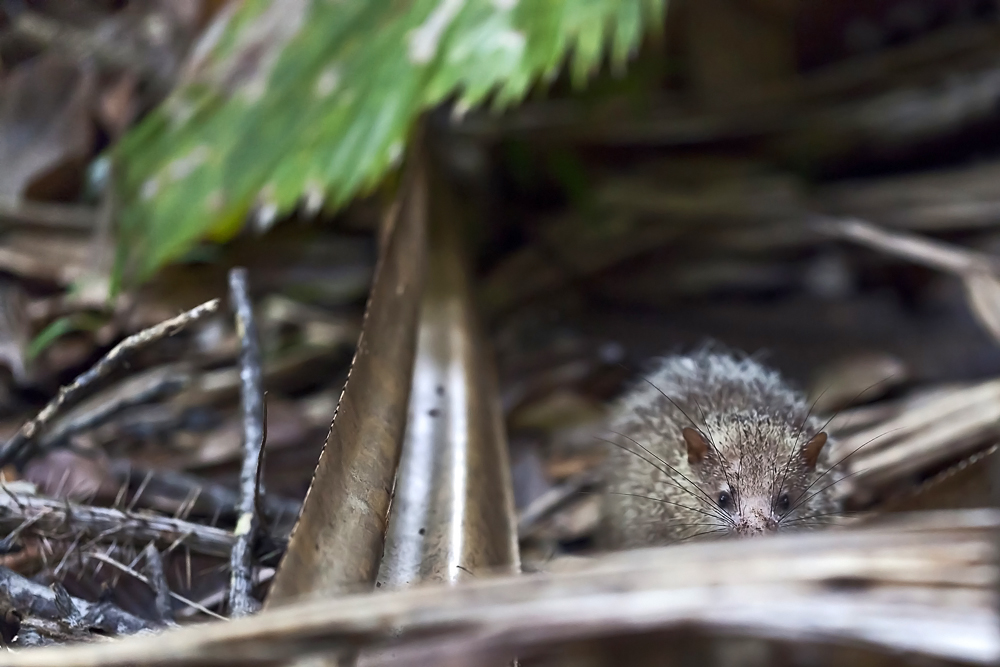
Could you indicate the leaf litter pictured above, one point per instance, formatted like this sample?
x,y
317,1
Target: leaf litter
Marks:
x,y
121,511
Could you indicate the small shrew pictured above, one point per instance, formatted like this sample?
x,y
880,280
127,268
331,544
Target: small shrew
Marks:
x,y
714,445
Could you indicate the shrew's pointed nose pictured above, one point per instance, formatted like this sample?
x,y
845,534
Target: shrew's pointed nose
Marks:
x,y
756,521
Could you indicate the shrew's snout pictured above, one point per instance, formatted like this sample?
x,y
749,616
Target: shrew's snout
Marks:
x,y
756,521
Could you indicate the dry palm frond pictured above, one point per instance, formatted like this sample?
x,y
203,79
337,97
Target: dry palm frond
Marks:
x,y
923,585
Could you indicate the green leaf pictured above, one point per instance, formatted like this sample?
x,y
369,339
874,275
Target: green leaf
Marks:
x,y
59,328
286,98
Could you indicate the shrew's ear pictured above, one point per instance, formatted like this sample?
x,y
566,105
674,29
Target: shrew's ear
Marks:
x,y
812,449
697,445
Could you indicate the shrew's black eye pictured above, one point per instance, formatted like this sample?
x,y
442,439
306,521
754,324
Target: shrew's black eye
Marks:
x,y
725,500
783,503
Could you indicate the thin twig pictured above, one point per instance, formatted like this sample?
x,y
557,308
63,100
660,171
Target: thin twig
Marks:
x,y
158,582
220,596
170,491
132,573
36,515
241,601
927,252
155,384
82,384
979,272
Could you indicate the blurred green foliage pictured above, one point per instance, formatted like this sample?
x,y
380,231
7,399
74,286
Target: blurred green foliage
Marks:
x,y
312,100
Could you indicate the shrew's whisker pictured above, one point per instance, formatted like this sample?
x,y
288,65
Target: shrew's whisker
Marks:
x,y
671,482
711,501
722,459
662,501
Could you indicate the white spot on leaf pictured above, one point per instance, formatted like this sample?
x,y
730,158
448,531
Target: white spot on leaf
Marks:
x,y
266,215
507,45
395,152
313,198
267,210
182,167
254,90
178,110
424,40
328,81
510,40
459,110
214,201
150,188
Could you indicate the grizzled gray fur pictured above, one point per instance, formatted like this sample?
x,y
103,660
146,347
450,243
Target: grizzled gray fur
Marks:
x,y
712,445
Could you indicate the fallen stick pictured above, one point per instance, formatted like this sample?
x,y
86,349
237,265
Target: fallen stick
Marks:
x,y
72,393
58,519
241,601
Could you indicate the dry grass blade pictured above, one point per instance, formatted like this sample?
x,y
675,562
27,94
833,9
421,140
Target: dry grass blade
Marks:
x,y
55,216
337,542
923,585
146,580
453,507
170,492
139,389
554,498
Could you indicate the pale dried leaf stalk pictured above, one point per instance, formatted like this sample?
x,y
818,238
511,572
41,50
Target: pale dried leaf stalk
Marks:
x,y
921,585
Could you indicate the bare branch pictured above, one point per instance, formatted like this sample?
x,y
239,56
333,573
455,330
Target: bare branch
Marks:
x,y
241,600
82,384
60,519
927,252
35,600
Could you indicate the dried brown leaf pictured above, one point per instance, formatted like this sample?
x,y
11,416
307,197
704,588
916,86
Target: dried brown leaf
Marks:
x,y
968,484
64,474
44,120
337,542
860,377
453,511
931,432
